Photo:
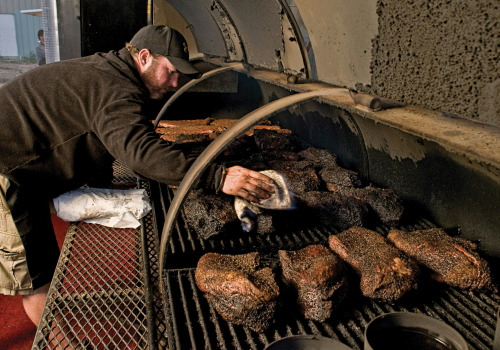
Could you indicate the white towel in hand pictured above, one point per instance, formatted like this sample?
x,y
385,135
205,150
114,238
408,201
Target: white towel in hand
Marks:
x,y
281,199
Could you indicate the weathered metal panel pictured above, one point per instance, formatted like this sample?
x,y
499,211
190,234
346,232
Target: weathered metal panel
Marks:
x,y
11,6
341,34
26,26
26,32
260,27
8,43
200,21
257,32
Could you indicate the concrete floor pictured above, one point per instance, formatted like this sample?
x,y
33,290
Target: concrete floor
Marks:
x,y
11,69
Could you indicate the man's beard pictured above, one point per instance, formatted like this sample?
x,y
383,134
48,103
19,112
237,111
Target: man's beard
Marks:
x,y
154,86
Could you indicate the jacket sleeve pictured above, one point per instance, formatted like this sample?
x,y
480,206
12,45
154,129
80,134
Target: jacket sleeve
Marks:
x,y
130,137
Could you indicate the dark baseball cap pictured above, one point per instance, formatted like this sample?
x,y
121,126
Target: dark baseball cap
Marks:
x,y
163,40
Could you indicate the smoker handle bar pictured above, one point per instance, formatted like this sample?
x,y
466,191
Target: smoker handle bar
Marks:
x,y
190,84
217,146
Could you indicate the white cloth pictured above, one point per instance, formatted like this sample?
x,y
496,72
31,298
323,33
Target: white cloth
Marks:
x,y
281,199
108,207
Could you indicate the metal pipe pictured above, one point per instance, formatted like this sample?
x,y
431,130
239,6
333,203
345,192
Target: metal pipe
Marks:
x,y
150,12
51,30
217,146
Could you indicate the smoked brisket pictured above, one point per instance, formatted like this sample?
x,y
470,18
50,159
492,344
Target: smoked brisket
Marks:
x,y
210,214
301,175
239,291
384,203
331,209
453,261
317,275
320,157
337,178
386,273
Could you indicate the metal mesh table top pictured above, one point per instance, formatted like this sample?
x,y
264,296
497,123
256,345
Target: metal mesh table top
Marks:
x,y
103,291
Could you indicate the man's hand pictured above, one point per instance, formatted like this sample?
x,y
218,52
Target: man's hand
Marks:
x,y
248,184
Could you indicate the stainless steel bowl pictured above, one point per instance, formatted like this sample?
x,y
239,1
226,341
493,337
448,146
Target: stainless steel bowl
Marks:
x,y
411,331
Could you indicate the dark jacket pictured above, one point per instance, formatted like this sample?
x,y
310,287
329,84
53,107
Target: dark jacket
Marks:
x,y
64,123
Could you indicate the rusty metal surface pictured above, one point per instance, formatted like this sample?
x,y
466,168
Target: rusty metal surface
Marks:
x,y
98,297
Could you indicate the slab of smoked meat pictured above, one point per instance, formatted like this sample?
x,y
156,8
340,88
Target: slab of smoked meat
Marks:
x,y
453,261
320,157
335,177
301,175
318,276
384,202
386,273
210,214
331,209
240,292
273,139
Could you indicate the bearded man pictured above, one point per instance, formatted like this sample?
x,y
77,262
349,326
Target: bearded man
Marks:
x,y
65,123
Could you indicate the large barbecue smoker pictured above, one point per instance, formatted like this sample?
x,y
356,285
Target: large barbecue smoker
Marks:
x,y
404,94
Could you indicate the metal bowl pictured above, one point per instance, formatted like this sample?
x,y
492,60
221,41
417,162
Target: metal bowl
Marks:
x,y
306,342
411,331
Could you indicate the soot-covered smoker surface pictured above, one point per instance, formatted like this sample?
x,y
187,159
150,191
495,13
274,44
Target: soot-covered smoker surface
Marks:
x,y
193,323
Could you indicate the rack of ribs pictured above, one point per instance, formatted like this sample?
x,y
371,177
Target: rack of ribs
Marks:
x,y
453,261
239,291
385,272
317,275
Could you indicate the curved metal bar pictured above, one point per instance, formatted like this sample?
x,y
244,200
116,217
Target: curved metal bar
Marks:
x,y
192,83
217,146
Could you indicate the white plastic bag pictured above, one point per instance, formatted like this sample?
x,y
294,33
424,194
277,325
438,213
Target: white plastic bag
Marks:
x,y
108,207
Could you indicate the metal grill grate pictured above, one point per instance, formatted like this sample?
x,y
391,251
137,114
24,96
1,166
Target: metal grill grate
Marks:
x,y
197,325
106,295
100,291
105,291
194,324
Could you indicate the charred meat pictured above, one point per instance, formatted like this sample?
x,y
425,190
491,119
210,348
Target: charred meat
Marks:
x,y
317,275
240,292
383,202
209,214
386,273
331,209
327,194
453,261
301,175
321,158
273,139
337,178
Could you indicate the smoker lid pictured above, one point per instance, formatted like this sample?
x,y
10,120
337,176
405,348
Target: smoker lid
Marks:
x,y
296,37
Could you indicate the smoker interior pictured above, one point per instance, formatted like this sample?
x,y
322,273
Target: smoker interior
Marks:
x,y
439,190
193,323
